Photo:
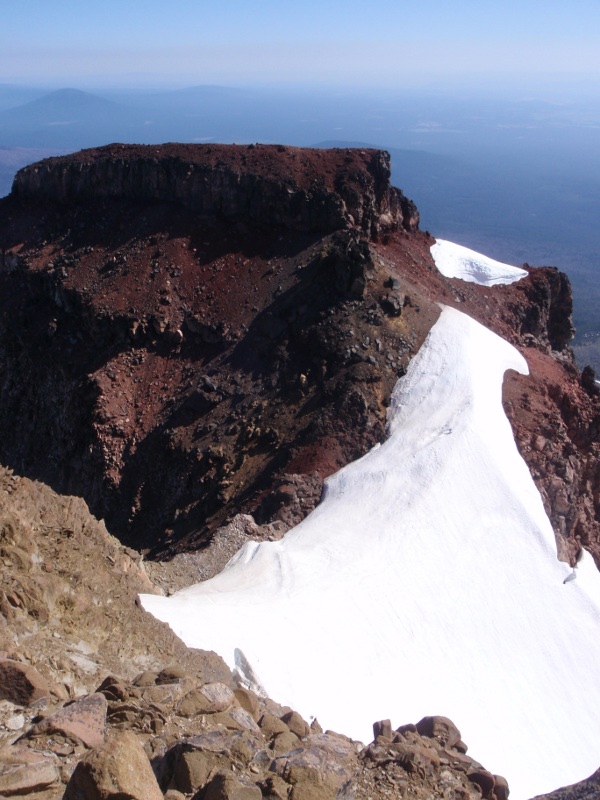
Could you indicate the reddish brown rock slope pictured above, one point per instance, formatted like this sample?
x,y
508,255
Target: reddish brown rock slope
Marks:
x,y
187,332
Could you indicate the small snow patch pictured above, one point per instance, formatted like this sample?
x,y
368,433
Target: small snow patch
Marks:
x,y
456,261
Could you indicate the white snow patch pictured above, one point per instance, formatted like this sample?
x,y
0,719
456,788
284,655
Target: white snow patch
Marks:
x,y
456,261
426,582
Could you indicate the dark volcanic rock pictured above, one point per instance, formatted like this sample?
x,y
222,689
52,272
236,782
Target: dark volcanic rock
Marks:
x,y
21,683
188,332
546,314
265,185
170,335
588,789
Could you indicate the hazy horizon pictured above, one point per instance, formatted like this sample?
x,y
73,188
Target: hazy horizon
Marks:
x,y
560,89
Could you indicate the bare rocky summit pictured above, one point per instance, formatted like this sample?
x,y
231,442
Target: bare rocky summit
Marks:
x,y
192,337
259,185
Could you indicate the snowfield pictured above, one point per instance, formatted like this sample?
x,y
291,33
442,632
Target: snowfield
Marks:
x,y
426,582
456,261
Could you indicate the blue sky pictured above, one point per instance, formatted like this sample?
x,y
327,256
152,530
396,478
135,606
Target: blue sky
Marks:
x,y
384,42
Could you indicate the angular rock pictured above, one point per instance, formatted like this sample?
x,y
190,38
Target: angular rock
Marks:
x,y
24,771
382,728
321,770
118,770
208,699
225,786
416,758
271,725
21,683
189,763
164,693
275,788
284,742
416,755
315,726
28,778
85,719
236,719
296,724
248,701
440,728
194,768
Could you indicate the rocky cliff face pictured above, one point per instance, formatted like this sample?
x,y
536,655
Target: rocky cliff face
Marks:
x,y
190,332
259,185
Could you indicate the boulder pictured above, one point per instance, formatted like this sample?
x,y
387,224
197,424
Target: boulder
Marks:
x,y
84,719
236,719
284,742
383,728
485,780
225,786
193,769
120,769
271,725
190,763
501,790
209,699
171,674
21,683
23,771
323,769
248,701
296,724
440,728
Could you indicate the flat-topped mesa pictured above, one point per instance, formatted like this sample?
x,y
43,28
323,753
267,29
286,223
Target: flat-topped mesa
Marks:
x,y
298,189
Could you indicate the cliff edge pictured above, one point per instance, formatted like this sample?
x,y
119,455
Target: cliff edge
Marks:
x,y
293,188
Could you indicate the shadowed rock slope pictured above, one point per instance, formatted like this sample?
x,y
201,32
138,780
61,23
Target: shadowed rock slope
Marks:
x,y
188,332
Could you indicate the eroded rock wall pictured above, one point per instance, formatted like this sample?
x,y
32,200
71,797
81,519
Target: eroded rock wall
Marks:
x,y
261,185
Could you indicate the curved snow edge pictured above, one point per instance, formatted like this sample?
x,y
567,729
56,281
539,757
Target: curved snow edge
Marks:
x,y
456,261
426,582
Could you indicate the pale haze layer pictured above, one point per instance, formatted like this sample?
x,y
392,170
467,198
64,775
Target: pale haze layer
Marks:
x,y
383,43
426,582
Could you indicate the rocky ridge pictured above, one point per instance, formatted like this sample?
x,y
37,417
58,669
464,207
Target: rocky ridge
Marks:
x,y
178,345
194,371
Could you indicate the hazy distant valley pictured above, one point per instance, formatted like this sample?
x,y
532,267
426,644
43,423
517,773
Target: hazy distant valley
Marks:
x,y
518,179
